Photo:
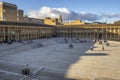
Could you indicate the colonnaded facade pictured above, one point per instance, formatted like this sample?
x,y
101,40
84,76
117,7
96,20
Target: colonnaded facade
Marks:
x,y
14,31
90,31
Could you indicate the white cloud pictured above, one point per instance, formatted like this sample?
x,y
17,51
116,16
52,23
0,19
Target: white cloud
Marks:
x,y
110,15
68,15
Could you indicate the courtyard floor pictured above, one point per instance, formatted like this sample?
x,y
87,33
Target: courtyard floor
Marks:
x,y
60,62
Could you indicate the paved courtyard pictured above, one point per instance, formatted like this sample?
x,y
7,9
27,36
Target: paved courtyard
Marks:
x,y
60,62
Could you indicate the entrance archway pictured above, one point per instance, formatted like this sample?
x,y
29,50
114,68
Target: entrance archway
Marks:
x,y
100,36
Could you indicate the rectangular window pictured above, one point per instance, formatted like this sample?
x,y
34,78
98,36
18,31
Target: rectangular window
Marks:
x,y
4,17
11,11
17,19
17,14
12,17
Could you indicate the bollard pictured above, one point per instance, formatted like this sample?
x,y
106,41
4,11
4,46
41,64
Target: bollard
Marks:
x,y
26,71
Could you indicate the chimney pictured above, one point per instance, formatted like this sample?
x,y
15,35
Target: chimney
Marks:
x,y
60,19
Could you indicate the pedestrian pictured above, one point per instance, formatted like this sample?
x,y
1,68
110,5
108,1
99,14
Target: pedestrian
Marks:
x,y
103,48
107,44
71,45
91,48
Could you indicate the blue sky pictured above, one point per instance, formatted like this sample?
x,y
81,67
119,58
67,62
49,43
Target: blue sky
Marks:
x,y
109,8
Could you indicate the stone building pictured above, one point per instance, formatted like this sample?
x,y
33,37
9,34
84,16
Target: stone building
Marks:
x,y
33,20
53,21
20,14
74,22
9,12
12,30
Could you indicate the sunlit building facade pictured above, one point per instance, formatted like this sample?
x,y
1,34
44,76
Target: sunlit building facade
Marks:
x,y
53,21
9,12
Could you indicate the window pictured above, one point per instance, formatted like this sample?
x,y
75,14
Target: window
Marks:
x,y
11,11
4,17
17,14
18,19
12,17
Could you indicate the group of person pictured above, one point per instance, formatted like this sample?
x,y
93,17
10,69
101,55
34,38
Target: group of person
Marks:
x,y
100,42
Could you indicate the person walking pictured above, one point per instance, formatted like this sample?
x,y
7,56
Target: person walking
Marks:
x,y
103,48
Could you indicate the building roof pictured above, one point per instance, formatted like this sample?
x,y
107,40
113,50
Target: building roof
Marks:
x,y
23,24
8,4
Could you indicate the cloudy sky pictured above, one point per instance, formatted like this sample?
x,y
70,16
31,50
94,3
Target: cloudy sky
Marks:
x,y
86,10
